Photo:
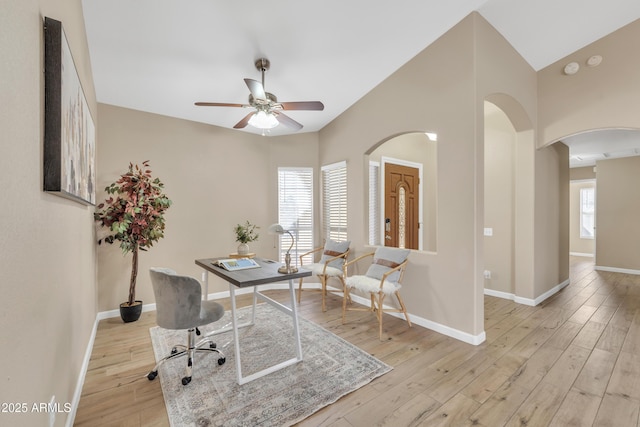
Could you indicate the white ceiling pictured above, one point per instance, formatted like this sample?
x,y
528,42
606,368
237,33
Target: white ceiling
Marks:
x,y
587,148
161,56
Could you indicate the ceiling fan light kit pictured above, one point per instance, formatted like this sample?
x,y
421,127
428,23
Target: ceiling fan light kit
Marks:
x,y
268,111
262,120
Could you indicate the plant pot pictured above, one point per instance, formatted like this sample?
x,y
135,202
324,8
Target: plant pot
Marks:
x,y
243,249
130,313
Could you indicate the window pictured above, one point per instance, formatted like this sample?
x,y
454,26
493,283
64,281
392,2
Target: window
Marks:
x,y
295,211
334,201
587,212
374,203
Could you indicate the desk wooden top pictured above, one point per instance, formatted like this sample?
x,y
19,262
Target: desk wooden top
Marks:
x,y
267,273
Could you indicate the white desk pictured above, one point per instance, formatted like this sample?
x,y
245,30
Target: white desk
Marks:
x,y
267,273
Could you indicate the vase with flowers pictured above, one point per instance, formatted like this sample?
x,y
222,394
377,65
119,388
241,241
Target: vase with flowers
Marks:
x,y
245,233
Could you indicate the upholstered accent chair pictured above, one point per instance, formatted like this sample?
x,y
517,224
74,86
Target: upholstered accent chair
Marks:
x,y
179,305
383,278
334,255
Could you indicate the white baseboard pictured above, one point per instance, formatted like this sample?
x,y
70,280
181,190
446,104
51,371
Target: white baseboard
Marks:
x,y
527,301
213,296
617,270
426,323
83,372
499,294
581,254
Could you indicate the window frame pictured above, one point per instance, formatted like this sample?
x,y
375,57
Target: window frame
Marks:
x,y
302,233
591,214
333,179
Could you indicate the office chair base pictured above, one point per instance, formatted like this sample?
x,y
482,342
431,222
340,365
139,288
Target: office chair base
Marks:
x,y
189,352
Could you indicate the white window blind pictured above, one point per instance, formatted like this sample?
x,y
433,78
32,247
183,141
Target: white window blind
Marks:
x,y
295,211
334,201
374,203
587,212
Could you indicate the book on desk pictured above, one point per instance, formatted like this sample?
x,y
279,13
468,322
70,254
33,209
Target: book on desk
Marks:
x,y
235,264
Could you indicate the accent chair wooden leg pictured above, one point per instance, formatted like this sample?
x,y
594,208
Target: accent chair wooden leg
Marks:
x,y
323,284
344,302
380,312
344,293
403,308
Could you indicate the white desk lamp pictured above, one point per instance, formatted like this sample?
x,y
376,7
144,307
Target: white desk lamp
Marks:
x,y
286,268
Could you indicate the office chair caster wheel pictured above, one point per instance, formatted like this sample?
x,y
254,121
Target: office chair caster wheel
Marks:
x,y
186,380
174,350
221,361
152,375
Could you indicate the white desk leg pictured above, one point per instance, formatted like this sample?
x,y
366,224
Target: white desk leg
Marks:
x,y
255,300
205,284
236,338
294,315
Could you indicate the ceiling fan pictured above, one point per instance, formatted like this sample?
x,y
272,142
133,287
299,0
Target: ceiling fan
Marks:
x,y
268,111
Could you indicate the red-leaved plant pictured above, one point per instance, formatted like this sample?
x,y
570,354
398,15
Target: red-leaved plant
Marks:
x,y
135,216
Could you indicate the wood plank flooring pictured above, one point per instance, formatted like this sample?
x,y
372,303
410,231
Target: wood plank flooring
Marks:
x,y
574,360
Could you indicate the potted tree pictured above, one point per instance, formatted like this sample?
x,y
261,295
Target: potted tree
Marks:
x,y
134,216
245,233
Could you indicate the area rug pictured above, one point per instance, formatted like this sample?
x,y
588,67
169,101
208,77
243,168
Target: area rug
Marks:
x,y
331,368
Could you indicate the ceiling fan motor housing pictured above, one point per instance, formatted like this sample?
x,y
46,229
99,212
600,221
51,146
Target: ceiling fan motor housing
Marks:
x,y
262,64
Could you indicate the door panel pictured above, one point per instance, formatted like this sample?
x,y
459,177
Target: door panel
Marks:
x,y
402,225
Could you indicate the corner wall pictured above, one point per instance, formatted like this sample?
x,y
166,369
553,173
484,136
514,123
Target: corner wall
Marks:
x,y
215,177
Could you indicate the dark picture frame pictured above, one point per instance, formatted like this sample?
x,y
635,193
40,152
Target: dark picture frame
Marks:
x,y
69,130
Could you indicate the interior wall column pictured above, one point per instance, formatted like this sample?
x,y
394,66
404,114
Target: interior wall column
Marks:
x,y
524,215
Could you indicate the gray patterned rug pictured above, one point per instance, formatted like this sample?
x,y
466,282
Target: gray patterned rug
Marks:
x,y
331,368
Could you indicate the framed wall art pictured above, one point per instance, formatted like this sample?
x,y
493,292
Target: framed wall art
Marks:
x,y
69,130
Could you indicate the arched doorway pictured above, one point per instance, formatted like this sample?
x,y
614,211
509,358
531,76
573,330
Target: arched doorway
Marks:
x,y
509,190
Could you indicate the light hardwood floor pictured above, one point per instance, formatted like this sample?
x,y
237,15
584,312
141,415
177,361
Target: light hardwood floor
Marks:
x,y
574,360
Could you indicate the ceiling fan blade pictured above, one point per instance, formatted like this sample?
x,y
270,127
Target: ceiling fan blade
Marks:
x,y
288,121
243,123
256,88
308,105
219,104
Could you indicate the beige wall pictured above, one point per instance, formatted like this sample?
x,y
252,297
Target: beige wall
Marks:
x,y
47,254
577,244
499,205
441,90
439,287
601,97
552,218
586,172
216,179
617,207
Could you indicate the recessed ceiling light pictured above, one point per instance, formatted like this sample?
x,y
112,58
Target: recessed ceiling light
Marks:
x,y
594,61
571,68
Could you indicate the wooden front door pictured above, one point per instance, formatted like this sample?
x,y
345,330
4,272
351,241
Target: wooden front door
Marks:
x,y
401,223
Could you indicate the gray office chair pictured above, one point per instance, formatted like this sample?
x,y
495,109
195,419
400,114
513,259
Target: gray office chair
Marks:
x,y
179,305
